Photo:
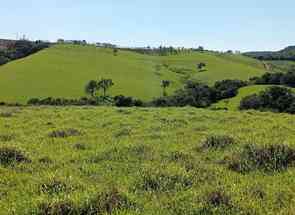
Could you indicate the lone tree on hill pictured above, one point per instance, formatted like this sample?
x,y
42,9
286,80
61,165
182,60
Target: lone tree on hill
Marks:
x,y
115,51
104,85
91,88
164,85
201,66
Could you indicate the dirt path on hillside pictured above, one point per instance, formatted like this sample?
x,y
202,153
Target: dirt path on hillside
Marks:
x,y
266,66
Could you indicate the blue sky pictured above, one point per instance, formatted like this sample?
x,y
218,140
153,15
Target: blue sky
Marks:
x,y
214,24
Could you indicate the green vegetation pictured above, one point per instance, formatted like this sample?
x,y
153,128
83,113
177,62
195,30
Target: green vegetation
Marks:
x,y
285,54
277,99
62,71
88,160
281,65
234,103
12,50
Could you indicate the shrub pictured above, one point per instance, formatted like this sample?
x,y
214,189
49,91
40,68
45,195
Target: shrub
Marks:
x,y
278,99
45,160
193,94
134,153
6,137
9,156
217,142
161,181
218,198
122,101
269,78
228,88
179,157
108,202
272,158
57,208
64,133
218,202
80,146
251,102
55,186
6,114
287,79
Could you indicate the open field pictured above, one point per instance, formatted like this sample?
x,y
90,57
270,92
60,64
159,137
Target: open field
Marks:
x,y
142,161
64,70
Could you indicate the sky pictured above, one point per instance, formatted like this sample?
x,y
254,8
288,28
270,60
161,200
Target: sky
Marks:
x,y
215,24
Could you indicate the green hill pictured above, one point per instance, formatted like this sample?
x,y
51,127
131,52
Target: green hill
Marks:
x,y
63,71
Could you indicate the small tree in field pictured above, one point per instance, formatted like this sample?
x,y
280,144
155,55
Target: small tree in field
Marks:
x,y
91,88
115,51
104,85
201,66
164,85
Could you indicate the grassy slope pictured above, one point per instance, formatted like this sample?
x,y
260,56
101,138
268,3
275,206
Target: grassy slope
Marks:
x,y
123,143
234,103
62,71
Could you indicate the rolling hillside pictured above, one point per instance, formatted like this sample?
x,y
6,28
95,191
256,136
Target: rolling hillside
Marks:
x,y
63,71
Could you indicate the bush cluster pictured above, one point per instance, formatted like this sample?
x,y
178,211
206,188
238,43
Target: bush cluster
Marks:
x,y
109,202
287,79
217,142
271,158
228,88
10,156
119,101
123,101
277,99
200,95
62,101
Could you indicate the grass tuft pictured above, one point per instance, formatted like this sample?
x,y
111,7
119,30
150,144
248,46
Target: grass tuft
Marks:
x,y
108,202
6,137
80,146
64,133
6,114
271,158
10,156
162,181
55,186
218,142
57,208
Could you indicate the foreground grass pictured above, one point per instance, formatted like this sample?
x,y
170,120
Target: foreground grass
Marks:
x,y
140,161
64,70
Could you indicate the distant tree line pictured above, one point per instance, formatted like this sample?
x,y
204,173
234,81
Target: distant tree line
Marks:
x,y
163,51
285,54
20,49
